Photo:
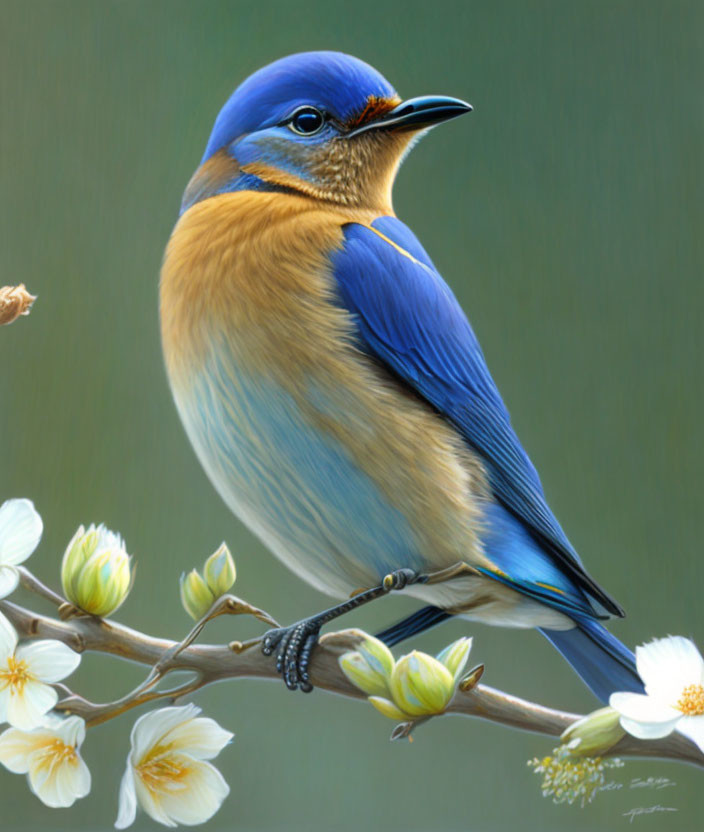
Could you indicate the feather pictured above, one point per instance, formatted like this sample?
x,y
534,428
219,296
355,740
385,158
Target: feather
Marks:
x,y
408,318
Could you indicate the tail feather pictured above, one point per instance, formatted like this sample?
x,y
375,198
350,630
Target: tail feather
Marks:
x,y
418,622
604,664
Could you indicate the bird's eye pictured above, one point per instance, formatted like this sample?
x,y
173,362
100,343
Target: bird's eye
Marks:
x,y
307,121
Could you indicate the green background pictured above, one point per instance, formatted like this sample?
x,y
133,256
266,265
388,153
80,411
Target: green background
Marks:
x,y
566,213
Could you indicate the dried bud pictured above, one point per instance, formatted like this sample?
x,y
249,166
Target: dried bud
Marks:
x,y
14,301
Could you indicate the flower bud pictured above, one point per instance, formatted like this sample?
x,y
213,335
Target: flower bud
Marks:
x,y
196,596
369,667
455,656
594,734
95,571
219,571
421,685
387,708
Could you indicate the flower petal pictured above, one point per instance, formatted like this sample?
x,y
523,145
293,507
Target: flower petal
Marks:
x,y
642,708
71,730
201,738
204,792
59,784
358,670
49,660
9,578
150,728
377,655
384,706
127,810
693,728
20,531
151,803
648,730
668,665
26,708
455,656
4,699
8,639
16,748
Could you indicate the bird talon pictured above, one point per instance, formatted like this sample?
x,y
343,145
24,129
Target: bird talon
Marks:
x,y
294,646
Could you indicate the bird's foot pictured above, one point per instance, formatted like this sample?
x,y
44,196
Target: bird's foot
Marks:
x,y
294,645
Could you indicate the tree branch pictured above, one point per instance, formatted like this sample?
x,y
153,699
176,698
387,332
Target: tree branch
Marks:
x,y
210,663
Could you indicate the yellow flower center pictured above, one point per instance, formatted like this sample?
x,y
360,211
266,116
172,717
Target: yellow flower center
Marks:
x,y
162,773
15,675
691,702
56,753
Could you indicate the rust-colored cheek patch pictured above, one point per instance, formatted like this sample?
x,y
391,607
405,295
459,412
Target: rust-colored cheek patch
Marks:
x,y
375,107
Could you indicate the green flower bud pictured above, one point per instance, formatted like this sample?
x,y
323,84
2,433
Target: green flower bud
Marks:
x,y
369,667
421,685
196,596
455,656
594,734
95,572
219,571
387,708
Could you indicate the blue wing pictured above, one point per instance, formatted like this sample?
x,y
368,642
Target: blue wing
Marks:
x,y
409,319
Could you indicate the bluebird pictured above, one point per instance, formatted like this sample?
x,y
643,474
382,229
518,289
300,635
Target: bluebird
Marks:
x,y
333,388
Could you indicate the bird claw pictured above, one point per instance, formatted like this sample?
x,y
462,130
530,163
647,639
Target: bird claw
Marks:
x,y
294,647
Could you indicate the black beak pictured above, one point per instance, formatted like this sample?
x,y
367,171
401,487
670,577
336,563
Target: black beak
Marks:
x,y
417,114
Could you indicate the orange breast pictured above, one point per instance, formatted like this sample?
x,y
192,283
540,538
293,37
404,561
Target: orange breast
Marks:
x,y
246,286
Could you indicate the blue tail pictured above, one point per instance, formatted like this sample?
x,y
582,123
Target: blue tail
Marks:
x,y
603,663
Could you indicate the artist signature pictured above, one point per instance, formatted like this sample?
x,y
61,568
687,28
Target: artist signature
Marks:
x,y
654,783
631,814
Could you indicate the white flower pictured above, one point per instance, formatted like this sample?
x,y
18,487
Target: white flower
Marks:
x,y
166,770
20,531
50,758
672,671
26,675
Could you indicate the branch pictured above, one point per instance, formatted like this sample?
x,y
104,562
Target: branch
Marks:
x,y
210,663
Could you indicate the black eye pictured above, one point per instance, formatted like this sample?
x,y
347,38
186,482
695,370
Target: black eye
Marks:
x,y
307,121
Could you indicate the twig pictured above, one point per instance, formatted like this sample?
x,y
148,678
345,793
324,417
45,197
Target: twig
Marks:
x,y
212,663
33,584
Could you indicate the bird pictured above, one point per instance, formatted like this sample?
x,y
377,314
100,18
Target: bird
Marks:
x,y
334,390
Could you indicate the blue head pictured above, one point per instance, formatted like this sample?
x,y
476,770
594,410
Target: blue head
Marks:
x,y
323,124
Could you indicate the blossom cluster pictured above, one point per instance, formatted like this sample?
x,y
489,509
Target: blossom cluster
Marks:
x,y
570,779
168,772
672,672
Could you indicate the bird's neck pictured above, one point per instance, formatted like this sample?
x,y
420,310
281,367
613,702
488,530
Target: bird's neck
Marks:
x,y
221,174
370,167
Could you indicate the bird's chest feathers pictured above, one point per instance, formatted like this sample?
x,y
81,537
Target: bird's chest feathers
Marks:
x,y
315,449
250,269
